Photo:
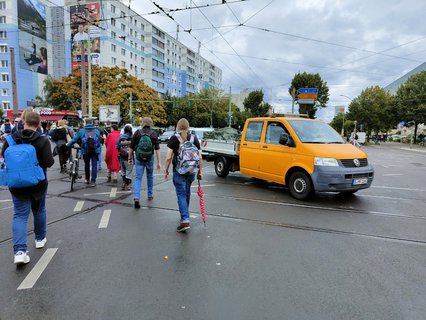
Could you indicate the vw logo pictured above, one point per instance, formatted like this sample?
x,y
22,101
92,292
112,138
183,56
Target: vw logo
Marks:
x,y
356,162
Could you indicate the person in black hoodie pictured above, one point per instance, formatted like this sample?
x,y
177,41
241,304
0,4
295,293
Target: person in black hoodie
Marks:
x,y
30,198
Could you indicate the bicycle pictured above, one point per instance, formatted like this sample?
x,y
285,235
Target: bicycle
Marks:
x,y
74,166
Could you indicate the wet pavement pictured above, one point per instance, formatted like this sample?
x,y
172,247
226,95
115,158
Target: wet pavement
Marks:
x,y
261,255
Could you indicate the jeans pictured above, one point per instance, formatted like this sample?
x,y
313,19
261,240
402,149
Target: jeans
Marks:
x,y
21,212
126,168
140,167
182,184
100,157
94,158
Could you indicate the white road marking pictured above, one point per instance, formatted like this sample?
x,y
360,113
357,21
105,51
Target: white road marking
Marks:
x,y
7,208
38,269
100,193
79,206
204,185
382,197
8,200
113,192
392,174
105,219
397,188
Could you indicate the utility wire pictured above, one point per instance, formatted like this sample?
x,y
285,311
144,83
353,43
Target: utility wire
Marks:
x,y
326,42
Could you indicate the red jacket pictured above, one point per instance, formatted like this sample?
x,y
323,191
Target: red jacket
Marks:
x,y
111,156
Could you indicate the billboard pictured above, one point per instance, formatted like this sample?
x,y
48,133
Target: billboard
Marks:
x,y
109,113
85,27
32,38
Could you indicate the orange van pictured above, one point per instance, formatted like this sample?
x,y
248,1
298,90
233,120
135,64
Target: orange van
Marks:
x,y
306,155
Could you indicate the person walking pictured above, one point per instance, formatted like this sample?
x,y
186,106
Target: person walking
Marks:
x,y
31,198
60,137
123,145
89,137
111,155
6,127
104,134
184,152
144,143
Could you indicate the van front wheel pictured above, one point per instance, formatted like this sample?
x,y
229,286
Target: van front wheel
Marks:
x,y
300,186
221,167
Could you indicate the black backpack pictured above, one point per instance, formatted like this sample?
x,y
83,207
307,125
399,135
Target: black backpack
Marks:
x,y
91,142
7,128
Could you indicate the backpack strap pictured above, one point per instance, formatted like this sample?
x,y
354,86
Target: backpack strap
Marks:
x,y
179,138
192,139
10,140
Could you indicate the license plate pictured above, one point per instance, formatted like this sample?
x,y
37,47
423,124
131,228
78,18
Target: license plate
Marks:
x,y
358,181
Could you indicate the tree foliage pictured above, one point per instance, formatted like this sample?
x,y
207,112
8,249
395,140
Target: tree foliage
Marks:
x,y
339,121
374,108
309,80
255,105
110,86
411,99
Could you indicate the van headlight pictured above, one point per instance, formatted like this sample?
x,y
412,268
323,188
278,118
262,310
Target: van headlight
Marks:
x,y
327,162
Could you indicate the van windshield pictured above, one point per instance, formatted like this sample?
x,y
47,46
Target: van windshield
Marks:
x,y
315,132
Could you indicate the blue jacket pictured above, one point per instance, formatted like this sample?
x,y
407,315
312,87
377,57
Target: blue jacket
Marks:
x,y
78,138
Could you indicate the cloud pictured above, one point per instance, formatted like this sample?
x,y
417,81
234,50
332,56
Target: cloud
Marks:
x,y
337,39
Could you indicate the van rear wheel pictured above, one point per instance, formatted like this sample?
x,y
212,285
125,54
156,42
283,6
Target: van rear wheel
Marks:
x,y
300,186
221,167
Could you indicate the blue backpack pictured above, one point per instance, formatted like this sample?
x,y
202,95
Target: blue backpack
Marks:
x,y
91,142
22,168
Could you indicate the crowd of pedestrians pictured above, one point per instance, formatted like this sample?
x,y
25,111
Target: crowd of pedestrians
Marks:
x,y
139,150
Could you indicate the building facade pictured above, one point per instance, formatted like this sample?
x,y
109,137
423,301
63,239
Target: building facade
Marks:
x,y
47,41
120,37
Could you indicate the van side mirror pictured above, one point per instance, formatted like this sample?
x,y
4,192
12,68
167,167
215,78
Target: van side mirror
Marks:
x,y
284,139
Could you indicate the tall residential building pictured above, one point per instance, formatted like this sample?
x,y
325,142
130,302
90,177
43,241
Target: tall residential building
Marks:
x,y
35,32
121,37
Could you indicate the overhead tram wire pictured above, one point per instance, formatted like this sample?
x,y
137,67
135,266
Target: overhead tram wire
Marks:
x,y
327,42
242,24
160,8
250,68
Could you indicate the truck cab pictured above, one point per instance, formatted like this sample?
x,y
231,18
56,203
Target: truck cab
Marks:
x,y
306,155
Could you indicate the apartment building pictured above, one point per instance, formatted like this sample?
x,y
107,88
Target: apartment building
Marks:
x,y
125,39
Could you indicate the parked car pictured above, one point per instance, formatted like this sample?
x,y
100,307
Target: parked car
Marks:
x,y
166,136
398,138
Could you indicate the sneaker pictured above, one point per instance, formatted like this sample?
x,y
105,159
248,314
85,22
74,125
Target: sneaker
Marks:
x,y
40,243
183,227
108,179
93,184
21,257
137,204
150,198
87,181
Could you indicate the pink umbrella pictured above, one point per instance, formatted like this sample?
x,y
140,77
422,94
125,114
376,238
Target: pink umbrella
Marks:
x,y
202,207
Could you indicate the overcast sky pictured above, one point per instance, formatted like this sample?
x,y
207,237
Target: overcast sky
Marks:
x,y
352,44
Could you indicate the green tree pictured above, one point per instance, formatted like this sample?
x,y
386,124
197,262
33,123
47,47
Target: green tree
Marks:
x,y
46,100
373,108
309,80
339,121
110,86
411,100
255,105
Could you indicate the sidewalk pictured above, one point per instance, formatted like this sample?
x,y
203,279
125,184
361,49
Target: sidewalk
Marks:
x,y
401,146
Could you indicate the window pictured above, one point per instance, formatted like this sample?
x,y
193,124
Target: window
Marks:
x,y
158,43
131,31
123,64
142,60
4,64
113,47
112,8
113,35
113,61
136,57
142,37
4,77
254,130
123,52
136,24
2,5
3,48
122,14
273,132
131,66
158,54
113,22
4,92
131,55
136,34
3,19
6,105
142,27
3,34
123,27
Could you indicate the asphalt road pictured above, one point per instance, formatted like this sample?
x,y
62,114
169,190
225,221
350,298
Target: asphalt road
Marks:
x,y
261,255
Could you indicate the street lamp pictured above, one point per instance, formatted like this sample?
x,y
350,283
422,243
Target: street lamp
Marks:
x,y
343,126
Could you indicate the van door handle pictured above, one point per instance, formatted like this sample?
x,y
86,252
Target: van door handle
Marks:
x,y
244,144
265,147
